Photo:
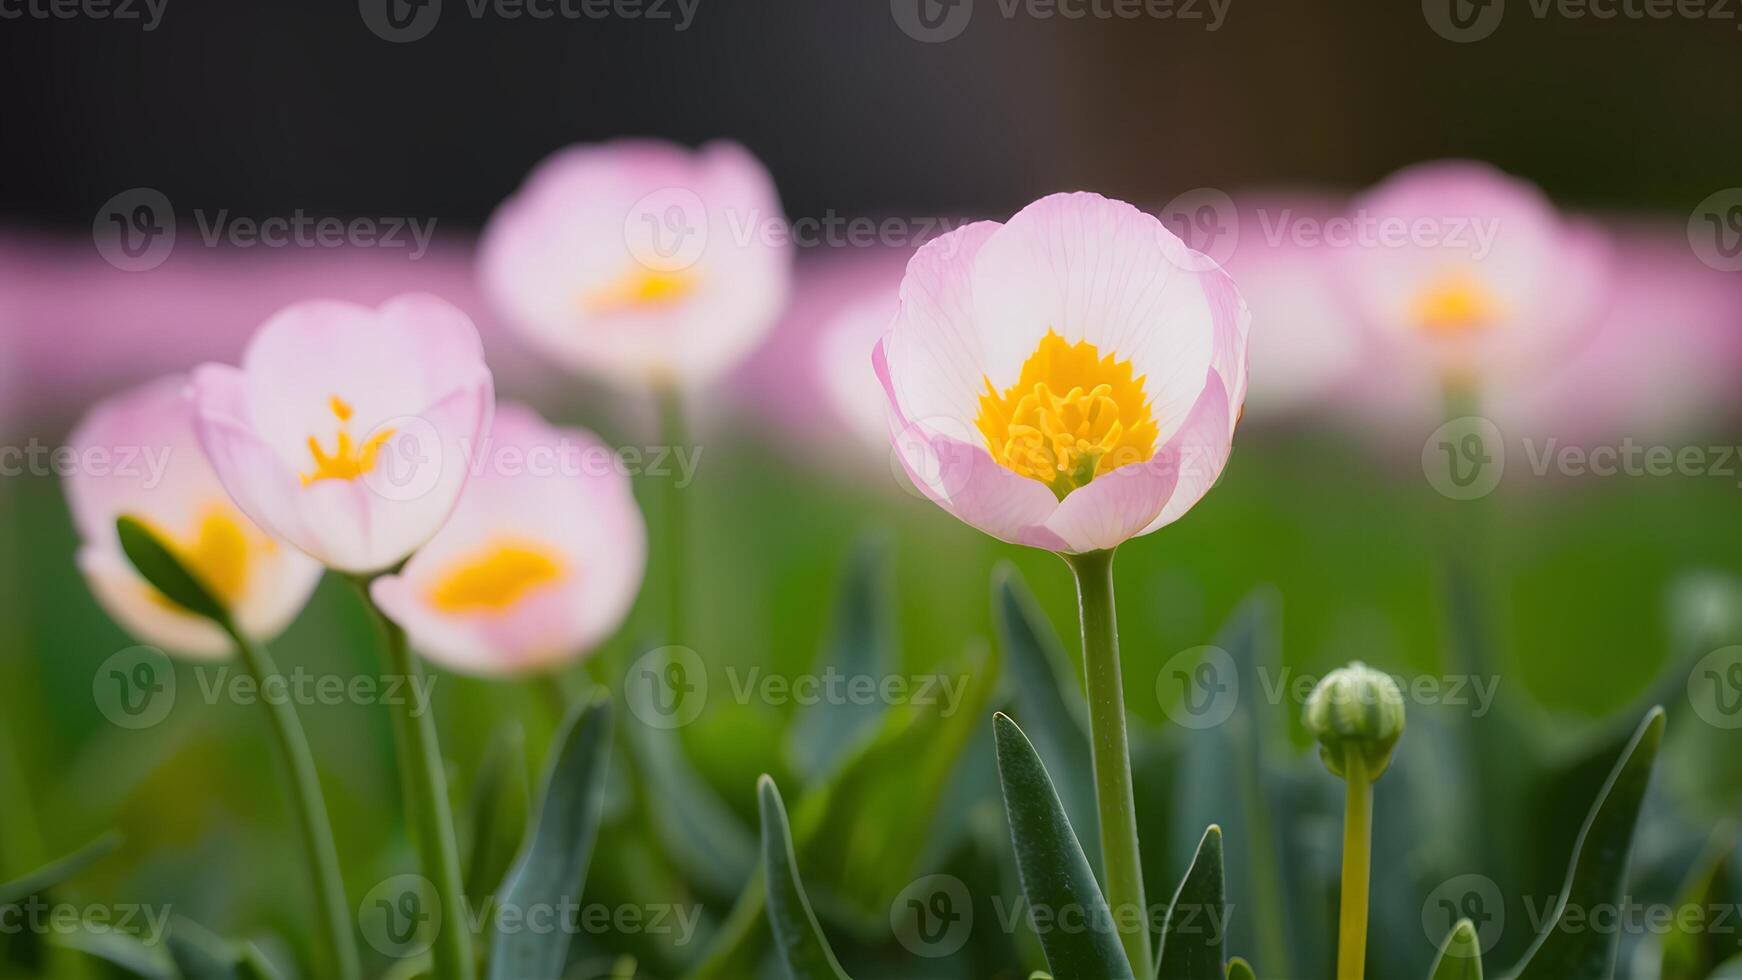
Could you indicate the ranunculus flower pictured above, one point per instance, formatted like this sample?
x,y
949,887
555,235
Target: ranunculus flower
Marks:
x,y
641,260
539,563
1471,272
136,455
1067,380
346,430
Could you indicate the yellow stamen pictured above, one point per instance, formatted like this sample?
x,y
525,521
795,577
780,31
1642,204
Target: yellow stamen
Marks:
x,y
495,578
639,288
1071,416
1457,303
347,461
217,552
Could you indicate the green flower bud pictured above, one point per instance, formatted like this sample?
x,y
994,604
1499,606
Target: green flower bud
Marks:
x,y
1355,708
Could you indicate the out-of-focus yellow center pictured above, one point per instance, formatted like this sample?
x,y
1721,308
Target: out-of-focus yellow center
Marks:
x,y
1071,416
640,288
348,460
217,552
494,578
1456,304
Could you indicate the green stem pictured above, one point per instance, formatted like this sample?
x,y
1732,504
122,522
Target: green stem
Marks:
x,y
311,809
425,784
1111,755
1357,862
675,436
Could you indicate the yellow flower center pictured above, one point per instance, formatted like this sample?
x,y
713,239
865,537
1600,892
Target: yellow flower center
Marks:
x,y
217,552
1071,416
495,578
348,460
1457,303
640,288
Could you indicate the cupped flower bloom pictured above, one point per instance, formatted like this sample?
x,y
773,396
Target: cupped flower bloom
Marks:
x,y
1471,271
641,260
1067,380
346,430
539,563
136,455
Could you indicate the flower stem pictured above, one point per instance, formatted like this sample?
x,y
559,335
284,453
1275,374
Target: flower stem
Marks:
x,y
675,436
425,785
311,809
1357,860
1112,755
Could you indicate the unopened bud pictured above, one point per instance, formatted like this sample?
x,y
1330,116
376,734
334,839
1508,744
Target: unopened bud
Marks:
x,y
1355,709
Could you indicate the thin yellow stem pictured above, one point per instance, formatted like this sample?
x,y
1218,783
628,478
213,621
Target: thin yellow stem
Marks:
x,y
1357,867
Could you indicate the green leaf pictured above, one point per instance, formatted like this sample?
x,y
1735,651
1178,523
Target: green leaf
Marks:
x,y
57,871
159,566
823,735
116,954
200,955
1598,871
1192,939
1461,956
696,829
553,866
1239,969
1056,879
1221,778
798,938
497,811
1047,697
1693,948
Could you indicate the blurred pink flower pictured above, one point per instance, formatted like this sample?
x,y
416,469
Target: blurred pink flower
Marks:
x,y
1068,380
812,382
641,260
347,429
539,563
136,455
1471,272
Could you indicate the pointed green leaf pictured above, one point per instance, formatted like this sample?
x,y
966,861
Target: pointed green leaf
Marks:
x,y
159,566
57,871
798,938
1191,941
553,866
696,829
200,955
1056,878
1239,969
1598,871
1461,956
497,811
823,735
116,954
1047,696
1692,948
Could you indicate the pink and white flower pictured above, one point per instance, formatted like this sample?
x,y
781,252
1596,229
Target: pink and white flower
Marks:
x,y
1067,380
1472,274
539,563
641,260
136,455
346,430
